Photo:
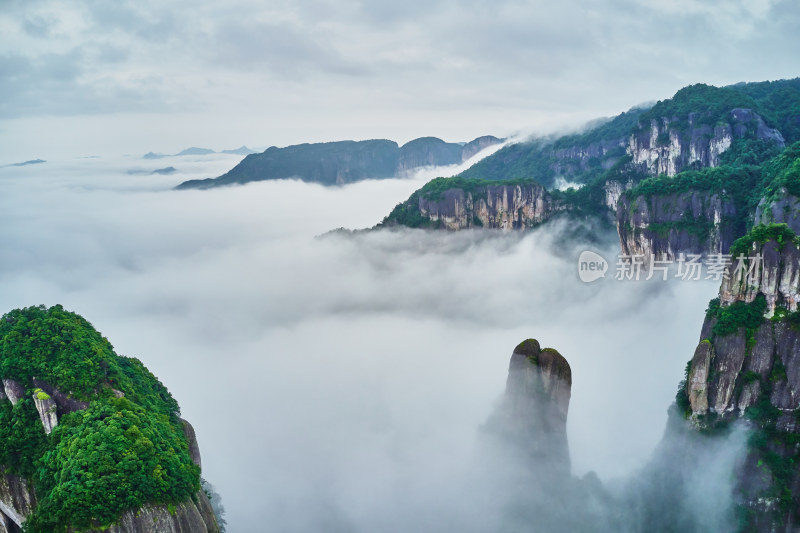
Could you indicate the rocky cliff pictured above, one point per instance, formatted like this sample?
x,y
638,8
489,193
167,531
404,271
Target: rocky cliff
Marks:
x,y
664,226
746,369
140,462
690,130
337,163
528,428
455,203
535,406
671,144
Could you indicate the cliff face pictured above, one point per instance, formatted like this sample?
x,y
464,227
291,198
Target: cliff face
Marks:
x,y
747,367
528,429
501,207
613,191
17,500
669,145
698,222
536,403
782,208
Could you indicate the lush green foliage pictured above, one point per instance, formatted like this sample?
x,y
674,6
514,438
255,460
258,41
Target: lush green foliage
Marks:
x,y
108,458
22,437
778,102
711,105
682,396
537,160
761,234
783,171
118,454
748,152
732,318
60,347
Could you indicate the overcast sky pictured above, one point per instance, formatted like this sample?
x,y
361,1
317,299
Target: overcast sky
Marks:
x,y
97,77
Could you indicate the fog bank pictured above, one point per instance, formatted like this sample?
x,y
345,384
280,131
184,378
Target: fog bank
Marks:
x,y
339,380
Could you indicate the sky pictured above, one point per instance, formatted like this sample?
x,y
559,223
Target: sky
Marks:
x,y
95,77
339,383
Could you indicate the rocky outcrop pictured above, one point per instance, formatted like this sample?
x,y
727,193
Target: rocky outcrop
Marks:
x,y
496,206
669,145
613,191
65,404
534,411
46,407
185,517
18,496
14,391
191,439
747,368
17,499
777,277
337,163
664,226
783,208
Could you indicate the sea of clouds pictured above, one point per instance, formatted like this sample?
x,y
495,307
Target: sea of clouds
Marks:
x,y
337,382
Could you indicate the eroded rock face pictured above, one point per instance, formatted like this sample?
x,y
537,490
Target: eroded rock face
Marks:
x,y
46,407
753,374
662,147
534,411
187,517
65,403
778,278
783,208
191,438
14,390
17,498
498,207
614,190
698,377
665,226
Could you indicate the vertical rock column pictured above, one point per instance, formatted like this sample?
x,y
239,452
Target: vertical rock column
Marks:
x,y
533,415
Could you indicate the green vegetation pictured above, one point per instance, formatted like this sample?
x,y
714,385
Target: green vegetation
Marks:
x,y
736,184
682,396
783,171
117,454
22,437
778,452
710,104
760,235
745,152
538,159
778,102
732,318
111,457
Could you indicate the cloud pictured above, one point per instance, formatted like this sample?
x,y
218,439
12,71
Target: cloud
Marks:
x,y
340,381
354,69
